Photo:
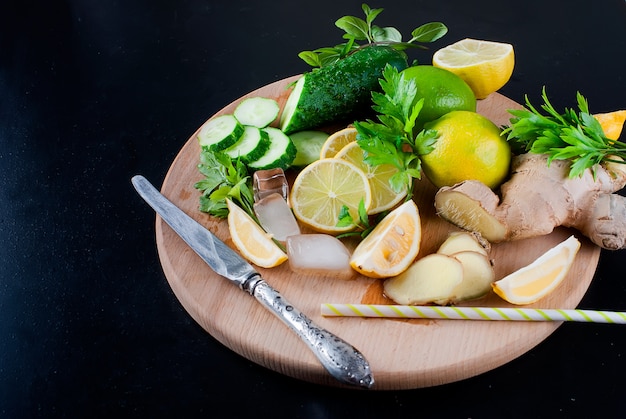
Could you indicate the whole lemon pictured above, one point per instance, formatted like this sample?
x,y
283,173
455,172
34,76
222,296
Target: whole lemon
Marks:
x,y
442,91
469,146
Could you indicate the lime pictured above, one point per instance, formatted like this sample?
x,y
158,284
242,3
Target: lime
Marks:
x,y
442,91
469,146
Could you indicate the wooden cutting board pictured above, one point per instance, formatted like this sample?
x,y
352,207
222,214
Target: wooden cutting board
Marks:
x,y
403,354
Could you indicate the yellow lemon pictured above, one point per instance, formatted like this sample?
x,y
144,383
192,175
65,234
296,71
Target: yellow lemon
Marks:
x,y
469,147
485,65
383,196
322,188
251,240
392,246
612,123
336,141
541,277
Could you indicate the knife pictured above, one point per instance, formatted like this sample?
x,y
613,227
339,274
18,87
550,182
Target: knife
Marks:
x,y
342,361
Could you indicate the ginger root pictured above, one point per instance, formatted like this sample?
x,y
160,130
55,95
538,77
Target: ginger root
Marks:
x,y
460,270
539,197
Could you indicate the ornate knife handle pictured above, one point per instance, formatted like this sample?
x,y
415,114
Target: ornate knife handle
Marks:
x,y
343,361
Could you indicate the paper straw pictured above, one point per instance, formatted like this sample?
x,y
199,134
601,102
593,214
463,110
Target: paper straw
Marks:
x,y
472,313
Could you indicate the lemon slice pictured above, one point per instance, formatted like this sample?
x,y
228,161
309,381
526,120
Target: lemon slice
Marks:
x,y
383,196
251,240
392,246
336,141
485,65
322,188
541,277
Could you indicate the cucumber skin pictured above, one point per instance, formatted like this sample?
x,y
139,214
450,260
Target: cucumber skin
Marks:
x,y
342,90
283,161
262,147
225,142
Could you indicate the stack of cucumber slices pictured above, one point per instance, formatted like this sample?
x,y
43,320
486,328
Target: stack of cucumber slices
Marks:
x,y
246,134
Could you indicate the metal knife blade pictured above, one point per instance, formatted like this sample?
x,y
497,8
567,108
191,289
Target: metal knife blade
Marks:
x,y
343,361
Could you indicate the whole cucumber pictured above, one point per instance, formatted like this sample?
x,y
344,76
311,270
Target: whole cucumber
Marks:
x,y
339,91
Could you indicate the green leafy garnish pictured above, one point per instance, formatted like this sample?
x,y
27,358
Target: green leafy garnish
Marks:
x,y
364,31
225,178
571,135
393,139
363,225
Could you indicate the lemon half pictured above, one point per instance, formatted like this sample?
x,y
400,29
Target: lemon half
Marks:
x,y
485,65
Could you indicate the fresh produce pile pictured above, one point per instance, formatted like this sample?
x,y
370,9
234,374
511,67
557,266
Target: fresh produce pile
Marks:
x,y
401,121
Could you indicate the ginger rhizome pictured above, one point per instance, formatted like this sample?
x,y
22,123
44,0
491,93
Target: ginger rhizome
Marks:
x,y
539,197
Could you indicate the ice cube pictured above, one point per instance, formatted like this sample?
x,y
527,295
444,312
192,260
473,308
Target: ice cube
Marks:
x,y
267,182
276,217
319,254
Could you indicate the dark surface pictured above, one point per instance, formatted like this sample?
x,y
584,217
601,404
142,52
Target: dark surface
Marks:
x,y
93,92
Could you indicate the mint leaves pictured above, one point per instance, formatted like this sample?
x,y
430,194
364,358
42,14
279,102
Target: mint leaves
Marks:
x,y
364,31
571,135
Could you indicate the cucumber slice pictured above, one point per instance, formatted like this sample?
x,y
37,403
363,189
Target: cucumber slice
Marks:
x,y
257,111
253,144
281,153
308,146
219,133
340,91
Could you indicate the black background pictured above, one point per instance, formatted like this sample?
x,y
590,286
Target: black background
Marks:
x,y
93,92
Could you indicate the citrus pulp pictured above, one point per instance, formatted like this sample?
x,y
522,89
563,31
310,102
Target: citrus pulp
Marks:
x,y
322,188
485,65
383,195
392,246
251,240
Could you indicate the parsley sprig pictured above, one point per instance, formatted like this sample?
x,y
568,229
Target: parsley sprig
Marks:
x,y
225,178
393,139
572,135
358,30
363,226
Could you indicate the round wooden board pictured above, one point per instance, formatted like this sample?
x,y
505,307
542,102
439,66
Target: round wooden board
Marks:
x,y
403,354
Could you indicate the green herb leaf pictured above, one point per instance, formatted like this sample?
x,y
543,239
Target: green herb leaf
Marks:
x,y
224,178
569,135
387,34
392,140
345,218
365,32
363,225
354,26
429,32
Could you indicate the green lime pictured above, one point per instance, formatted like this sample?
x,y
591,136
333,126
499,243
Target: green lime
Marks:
x,y
442,91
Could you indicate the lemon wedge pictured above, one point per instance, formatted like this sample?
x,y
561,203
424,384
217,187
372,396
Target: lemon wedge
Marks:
x,y
485,65
251,240
392,246
541,277
612,123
